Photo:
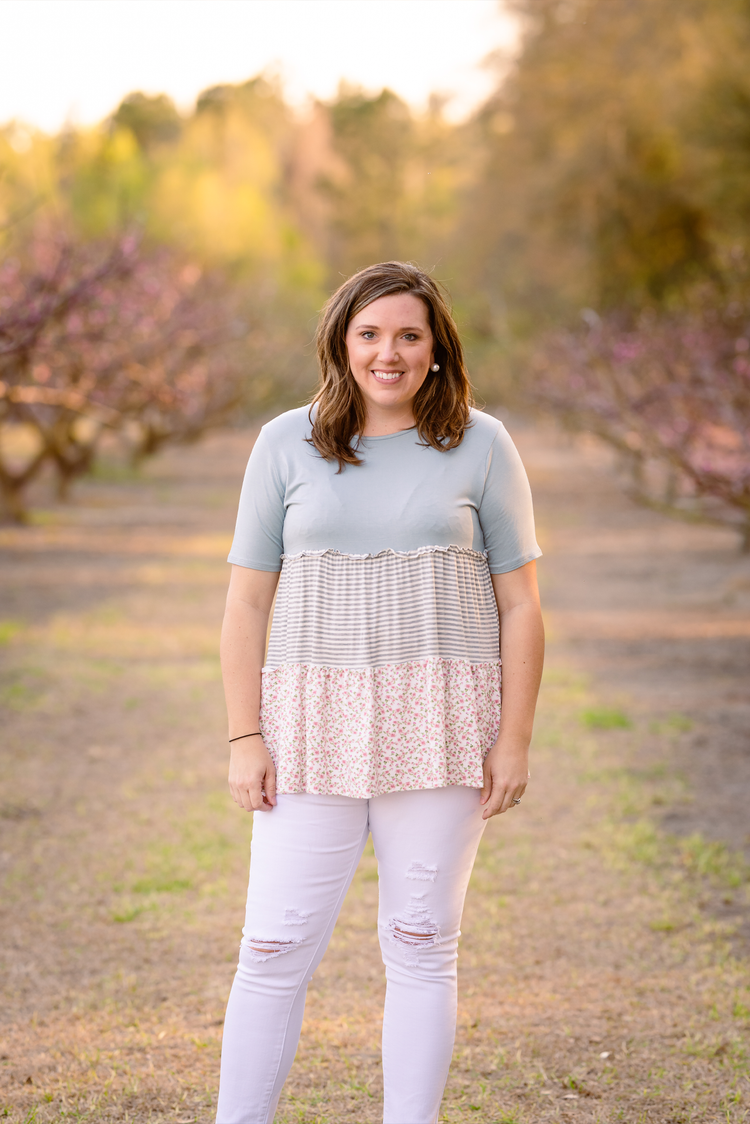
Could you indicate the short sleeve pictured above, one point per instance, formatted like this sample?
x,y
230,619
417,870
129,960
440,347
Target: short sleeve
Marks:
x,y
506,514
258,534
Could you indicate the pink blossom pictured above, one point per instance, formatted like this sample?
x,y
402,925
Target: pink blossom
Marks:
x,y
673,392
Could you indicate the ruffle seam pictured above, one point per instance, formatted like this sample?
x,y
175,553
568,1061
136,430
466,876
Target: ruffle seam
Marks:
x,y
465,550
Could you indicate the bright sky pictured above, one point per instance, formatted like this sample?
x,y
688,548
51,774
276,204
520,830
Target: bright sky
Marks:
x,y
75,59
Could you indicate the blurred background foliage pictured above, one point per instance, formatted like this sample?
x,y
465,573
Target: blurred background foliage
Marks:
x,y
608,173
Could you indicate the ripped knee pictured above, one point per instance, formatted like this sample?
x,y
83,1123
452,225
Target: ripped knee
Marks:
x,y
268,948
421,872
414,930
260,949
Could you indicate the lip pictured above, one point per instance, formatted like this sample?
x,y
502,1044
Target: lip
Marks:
x,y
376,374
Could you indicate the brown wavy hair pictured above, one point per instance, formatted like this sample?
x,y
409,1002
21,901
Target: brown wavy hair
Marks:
x,y
441,407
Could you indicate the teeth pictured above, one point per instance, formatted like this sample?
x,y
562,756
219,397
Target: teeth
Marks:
x,y
388,374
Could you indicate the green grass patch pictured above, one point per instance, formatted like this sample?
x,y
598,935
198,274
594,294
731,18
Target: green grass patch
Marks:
x,y
9,630
108,614
126,914
161,885
663,925
708,858
603,718
639,842
116,472
195,853
672,724
24,689
643,843
40,517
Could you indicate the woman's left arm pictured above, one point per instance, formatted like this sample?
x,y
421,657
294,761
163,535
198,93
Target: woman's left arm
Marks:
x,y
506,767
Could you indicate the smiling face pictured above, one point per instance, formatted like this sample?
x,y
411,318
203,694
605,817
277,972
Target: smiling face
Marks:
x,y
391,347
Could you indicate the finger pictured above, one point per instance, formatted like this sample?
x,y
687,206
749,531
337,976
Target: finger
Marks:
x,y
495,803
239,794
507,801
269,786
518,792
257,798
514,797
486,789
252,798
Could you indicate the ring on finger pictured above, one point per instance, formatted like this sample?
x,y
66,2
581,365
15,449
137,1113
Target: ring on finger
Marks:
x,y
515,800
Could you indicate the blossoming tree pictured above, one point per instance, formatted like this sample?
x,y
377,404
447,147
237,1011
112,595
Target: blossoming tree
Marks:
x,y
672,395
96,338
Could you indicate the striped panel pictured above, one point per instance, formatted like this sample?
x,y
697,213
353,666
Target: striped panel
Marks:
x,y
358,611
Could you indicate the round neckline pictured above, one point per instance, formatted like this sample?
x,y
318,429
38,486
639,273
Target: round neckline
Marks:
x,y
389,436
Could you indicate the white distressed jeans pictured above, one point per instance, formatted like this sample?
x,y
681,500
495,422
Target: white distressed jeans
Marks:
x,y
304,855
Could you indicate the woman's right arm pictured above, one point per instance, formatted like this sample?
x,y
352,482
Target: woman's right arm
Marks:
x,y
252,776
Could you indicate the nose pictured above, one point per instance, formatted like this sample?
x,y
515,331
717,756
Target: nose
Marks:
x,y
388,351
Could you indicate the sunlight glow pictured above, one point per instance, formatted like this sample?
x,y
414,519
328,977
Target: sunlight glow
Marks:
x,y
74,60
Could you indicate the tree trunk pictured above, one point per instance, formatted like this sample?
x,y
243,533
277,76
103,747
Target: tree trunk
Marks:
x,y
745,532
76,463
151,442
13,487
12,506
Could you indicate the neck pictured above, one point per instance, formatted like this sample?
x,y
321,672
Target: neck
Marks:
x,y
381,423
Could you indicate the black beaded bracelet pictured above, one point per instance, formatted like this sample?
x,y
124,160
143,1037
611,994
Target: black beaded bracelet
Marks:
x,y
257,734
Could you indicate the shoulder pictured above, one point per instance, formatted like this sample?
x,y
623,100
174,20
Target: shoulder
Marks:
x,y
496,446
482,432
288,428
280,445
484,426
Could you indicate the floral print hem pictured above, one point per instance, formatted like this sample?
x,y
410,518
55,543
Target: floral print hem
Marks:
x,y
365,732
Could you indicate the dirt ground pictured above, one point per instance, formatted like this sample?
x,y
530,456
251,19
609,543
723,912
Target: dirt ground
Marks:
x,y
603,972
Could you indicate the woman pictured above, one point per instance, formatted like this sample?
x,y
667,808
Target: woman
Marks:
x,y
401,523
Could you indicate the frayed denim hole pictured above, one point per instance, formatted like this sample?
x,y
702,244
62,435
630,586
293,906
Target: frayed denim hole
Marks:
x,y
420,872
259,949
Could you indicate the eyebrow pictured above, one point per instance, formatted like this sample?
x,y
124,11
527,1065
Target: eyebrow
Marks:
x,y
370,327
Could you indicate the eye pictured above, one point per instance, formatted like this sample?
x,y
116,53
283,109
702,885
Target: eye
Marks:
x,y
368,335
410,336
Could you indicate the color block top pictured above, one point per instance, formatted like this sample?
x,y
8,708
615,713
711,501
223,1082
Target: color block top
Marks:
x,y
383,667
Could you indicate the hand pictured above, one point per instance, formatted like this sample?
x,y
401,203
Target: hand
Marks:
x,y
506,774
252,775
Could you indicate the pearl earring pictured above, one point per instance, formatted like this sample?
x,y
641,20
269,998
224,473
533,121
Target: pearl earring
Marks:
x,y
435,367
